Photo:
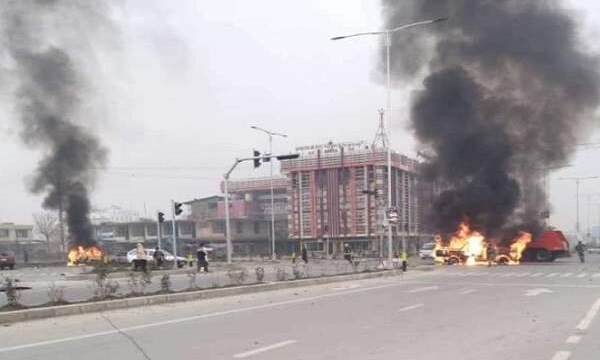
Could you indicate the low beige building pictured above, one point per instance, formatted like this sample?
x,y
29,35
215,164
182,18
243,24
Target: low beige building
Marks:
x,y
10,232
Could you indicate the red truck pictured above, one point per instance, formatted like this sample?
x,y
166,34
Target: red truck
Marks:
x,y
551,244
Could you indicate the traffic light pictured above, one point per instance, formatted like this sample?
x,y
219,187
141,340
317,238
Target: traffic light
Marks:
x,y
161,217
178,209
256,158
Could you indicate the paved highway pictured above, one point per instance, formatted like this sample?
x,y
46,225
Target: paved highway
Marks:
x,y
545,312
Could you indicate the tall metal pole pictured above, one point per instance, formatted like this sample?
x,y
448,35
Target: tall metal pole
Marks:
x,y
174,235
227,227
577,201
388,44
158,230
273,255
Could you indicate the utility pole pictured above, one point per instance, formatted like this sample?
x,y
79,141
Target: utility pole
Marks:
x,y
271,134
257,158
174,234
577,181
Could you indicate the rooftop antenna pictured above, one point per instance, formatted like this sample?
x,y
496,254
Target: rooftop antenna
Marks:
x,y
380,135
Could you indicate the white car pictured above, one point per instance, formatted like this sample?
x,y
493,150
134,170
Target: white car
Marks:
x,y
132,255
426,251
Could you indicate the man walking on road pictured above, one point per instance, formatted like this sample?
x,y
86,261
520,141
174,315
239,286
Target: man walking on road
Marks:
x,y
580,249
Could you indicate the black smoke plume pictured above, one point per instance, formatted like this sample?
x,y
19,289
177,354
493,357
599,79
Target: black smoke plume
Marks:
x,y
37,37
508,90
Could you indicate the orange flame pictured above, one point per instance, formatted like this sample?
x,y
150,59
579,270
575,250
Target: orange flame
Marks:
x,y
79,254
518,246
469,242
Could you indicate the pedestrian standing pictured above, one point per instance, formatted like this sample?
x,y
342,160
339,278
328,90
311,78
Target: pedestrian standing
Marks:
x,y
490,254
293,257
158,257
304,254
201,255
348,253
140,257
25,256
580,249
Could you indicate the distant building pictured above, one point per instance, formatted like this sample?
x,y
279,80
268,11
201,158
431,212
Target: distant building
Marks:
x,y
10,232
327,203
122,236
250,216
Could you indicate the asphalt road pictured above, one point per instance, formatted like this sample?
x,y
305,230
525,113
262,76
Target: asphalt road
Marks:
x,y
545,312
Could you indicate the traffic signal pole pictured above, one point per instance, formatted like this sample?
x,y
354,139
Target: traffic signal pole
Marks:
x,y
174,234
255,159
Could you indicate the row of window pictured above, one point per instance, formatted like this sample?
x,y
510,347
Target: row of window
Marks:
x,y
21,234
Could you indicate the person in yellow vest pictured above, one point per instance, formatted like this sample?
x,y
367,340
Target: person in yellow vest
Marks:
x,y
403,260
190,259
293,257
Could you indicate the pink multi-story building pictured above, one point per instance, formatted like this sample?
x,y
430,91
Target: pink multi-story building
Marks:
x,y
337,193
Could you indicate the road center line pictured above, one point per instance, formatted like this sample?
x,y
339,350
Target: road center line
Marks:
x,y
562,355
468,291
573,339
537,274
589,316
566,274
195,317
427,288
523,274
552,275
596,275
581,275
412,307
263,349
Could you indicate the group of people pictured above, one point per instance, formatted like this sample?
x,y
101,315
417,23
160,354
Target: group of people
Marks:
x,y
141,261
303,255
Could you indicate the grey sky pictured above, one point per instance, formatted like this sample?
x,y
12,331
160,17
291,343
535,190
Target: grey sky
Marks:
x,y
176,98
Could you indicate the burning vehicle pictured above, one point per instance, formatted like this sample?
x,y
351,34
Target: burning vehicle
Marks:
x,y
469,247
84,255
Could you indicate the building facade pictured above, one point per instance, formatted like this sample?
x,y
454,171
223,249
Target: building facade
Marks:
x,y
12,233
337,193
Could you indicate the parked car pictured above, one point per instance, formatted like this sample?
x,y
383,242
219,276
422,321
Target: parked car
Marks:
x,y
132,255
426,251
7,260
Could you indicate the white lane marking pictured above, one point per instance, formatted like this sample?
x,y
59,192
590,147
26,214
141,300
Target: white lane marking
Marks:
x,y
536,292
573,339
507,274
427,288
566,275
195,317
263,349
412,307
581,275
523,274
537,274
468,291
346,287
589,316
562,355
552,275
596,275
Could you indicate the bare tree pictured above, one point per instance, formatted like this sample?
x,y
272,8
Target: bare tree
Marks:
x,y
46,224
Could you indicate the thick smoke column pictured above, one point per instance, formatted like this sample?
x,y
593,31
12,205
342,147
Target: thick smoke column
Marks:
x,y
507,91
49,89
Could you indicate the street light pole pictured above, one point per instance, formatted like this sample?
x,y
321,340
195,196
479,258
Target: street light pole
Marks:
x,y
577,180
270,134
387,33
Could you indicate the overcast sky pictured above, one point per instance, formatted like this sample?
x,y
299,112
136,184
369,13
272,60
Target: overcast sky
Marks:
x,y
176,97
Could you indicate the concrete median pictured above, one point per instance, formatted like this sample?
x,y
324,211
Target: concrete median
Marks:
x,y
88,307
